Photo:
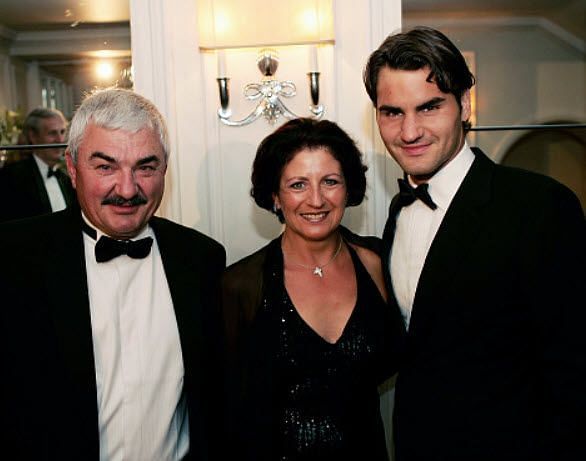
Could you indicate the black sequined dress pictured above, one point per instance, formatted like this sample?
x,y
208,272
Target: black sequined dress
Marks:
x,y
329,404
293,396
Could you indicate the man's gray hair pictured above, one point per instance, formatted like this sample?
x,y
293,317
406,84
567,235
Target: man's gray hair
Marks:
x,y
116,109
33,120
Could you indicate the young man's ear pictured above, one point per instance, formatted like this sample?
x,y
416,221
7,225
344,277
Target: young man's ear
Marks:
x,y
466,106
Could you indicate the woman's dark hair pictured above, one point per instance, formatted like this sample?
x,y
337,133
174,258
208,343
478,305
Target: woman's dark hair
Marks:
x,y
279,148
416,49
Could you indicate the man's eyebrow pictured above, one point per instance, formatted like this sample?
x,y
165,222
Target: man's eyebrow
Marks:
x,y
149,159
432,102
102,156
387,108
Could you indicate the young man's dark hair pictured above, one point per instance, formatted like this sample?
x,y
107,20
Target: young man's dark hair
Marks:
x,y
419,48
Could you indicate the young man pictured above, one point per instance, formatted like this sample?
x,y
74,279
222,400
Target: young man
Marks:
x,y
486,263
107,328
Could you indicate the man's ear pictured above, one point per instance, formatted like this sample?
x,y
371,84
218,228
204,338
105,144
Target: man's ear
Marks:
x,y
70,167
32,137
466,106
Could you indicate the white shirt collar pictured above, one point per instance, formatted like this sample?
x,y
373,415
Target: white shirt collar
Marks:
x,y
43,167
445,183
147,231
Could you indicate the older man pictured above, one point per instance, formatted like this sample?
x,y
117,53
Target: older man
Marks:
x,y
36,185
108,333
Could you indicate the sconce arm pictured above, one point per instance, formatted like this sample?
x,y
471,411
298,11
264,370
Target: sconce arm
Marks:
x,y
254,115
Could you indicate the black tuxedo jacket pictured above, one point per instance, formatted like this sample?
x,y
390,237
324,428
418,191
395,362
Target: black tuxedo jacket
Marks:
x,y
23,193
495,353
49,403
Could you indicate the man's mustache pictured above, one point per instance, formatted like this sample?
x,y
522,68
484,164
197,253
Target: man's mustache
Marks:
x,y
116,200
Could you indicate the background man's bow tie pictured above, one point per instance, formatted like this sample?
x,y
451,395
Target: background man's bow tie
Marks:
x,y
55,172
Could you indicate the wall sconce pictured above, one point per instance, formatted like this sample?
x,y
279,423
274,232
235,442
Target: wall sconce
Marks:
x,y
268,93
225,24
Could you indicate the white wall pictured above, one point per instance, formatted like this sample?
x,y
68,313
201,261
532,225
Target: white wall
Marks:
x,y
209,177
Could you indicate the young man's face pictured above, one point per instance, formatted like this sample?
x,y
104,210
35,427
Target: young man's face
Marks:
x,y
420,125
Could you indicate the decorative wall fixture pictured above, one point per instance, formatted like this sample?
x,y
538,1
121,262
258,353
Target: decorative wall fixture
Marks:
x,y
226,24
268,92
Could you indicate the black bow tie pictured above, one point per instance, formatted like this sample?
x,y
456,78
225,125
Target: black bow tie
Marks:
x,y
408,194
108,248
54,172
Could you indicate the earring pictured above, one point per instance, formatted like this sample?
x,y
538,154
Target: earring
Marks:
x,y
275,208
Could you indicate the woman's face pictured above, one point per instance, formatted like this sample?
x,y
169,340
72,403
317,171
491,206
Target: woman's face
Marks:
x,y
312,194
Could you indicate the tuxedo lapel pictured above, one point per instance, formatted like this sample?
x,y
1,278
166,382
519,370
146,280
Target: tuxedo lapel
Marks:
x,y
388,237
40,188
454,240
69,304
184,284
192,282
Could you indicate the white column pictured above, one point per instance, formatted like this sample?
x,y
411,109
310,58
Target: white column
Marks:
x,y
354,109
7,84
70,107
33,86
60,95
167,70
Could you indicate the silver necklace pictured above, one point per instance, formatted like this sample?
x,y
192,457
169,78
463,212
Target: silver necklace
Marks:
x,y
319,270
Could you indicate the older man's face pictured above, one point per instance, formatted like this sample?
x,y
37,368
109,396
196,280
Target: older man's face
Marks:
x,y
119,178
51,131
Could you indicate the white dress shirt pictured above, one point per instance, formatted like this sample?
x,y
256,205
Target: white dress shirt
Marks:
x,y
417,225
142,411
52,185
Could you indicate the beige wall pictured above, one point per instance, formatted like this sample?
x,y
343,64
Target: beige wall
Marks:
x,y
209,178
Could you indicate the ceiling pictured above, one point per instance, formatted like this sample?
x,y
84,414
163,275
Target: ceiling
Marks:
x,y
22,15
570,15
106,18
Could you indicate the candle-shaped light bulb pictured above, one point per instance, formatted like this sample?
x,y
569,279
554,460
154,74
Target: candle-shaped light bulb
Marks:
x,y
221,64
313,59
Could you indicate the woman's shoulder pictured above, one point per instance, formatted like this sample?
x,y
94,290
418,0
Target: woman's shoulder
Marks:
x,y
368,249
368,242
241,272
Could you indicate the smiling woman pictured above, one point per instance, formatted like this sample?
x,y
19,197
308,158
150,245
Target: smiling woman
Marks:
x,y
316,329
